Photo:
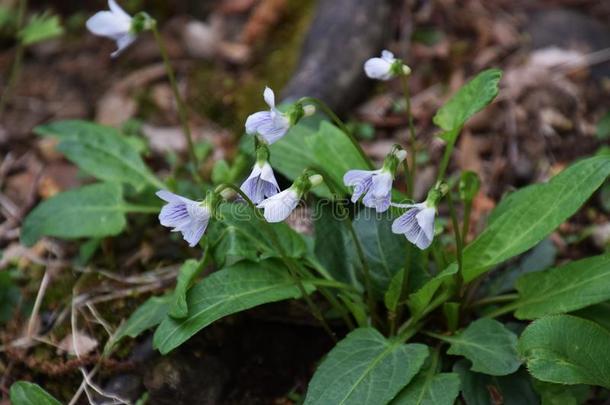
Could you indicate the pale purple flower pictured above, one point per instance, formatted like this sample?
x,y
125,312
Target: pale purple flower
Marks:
x,y
385,67
376,185
115,24
261,183
184,215
278,207
271,125
417,224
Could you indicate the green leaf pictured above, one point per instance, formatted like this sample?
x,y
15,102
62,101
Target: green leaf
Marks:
x,y
149,314
599,314
563,289
483,389
10,296
334,246
334,153
230,290
565,349
559,394
419,300
95,211
365,368
101,151
489,345
392,296
470,99
429,388
186,274
27,393
541,257
241,235
469,186
533,214
384,251
41,28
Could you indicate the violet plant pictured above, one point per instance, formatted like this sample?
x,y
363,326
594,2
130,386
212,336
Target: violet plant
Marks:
x,y
404,296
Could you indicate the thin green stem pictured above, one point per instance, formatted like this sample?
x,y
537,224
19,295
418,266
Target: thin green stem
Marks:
x,y
458,240
16,67
503,310
182,110
412,137
315,310
466,223
326,110
140,209
408,180
404,288
447,155
498,299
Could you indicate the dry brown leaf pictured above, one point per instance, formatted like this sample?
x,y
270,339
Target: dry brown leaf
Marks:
x,y
82,342
264,17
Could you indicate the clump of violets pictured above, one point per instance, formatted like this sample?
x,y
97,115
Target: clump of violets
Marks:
x,y
119,26
261,182
187,216
278,207
272,125
386,67
375,185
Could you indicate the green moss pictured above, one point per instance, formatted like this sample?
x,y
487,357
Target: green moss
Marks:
x,y
228,97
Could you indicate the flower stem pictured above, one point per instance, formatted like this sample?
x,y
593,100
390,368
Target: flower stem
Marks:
x,y
466,223
294,273
495,300
326,110
458,240
447,155
182,110
16,68
140,209
412,139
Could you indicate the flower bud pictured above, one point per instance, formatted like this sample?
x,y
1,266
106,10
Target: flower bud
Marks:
x,y
309,110
316,180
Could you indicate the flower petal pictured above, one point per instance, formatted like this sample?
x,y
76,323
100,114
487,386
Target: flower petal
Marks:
x,y
256,120
171,197
387,56
353,177
117,10
105,24
122,44
382,184
279,207
269,97
193,232
425,219
271,132
377,68
268,176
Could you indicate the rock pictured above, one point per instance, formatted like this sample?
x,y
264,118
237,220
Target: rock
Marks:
x,y
177,379
343,35
570,29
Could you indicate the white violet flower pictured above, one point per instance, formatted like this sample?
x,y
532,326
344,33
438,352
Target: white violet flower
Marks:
x,y
271,125
184,215
386,67
278,207
261,183
376,185
417,224
115,24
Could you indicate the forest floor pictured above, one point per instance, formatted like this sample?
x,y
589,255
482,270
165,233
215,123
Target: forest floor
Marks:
x,y
552,109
